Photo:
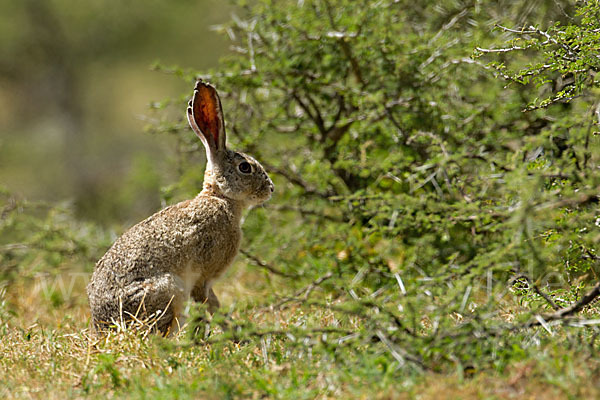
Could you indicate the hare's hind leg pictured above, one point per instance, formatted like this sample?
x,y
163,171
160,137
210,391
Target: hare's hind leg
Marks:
x,y
156,301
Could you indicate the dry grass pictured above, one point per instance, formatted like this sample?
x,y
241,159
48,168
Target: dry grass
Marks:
x,y
48,352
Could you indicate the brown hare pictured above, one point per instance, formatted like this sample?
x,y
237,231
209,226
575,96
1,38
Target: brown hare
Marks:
x,y
177,253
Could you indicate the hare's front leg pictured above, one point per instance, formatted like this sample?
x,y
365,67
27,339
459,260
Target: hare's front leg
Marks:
x,y
203,293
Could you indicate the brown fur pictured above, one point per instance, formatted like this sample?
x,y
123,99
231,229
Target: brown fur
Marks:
x,y
177,253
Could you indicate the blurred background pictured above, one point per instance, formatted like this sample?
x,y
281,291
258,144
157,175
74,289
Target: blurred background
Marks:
x,y
78,84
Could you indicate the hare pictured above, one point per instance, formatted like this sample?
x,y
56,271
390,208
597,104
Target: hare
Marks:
x,y
177,253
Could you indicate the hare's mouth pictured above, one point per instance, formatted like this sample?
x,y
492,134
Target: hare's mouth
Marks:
x,y
264,198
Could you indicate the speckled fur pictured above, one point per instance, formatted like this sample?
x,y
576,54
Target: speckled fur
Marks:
x,y
175,254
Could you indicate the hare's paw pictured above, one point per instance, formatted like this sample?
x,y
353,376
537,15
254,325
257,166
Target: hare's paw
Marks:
x,y
203,293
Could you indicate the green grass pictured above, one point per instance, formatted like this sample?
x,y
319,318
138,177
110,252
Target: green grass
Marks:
x,y
48,351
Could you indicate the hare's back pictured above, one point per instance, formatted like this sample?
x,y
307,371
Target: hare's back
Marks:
x,y
193,232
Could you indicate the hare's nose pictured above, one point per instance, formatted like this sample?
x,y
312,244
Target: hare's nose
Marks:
x,y
271,185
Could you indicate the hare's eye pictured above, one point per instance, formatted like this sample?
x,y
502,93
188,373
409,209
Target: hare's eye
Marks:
x,y
245,167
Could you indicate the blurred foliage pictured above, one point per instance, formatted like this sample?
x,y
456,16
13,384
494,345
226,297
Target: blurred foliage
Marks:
x,y
76,81
39,239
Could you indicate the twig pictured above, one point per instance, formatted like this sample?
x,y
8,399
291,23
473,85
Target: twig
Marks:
x,y
314,115
577,306
383,310
450,24
581,199
304,211
266,266
538,291
355,67
306,290
398,353
521,31
279,332
595,109
296,180
501,50
561,314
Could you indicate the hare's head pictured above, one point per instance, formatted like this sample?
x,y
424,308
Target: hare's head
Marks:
x,y
232,174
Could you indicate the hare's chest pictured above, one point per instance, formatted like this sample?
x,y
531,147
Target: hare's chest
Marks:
x,y
208,264
215,251
220,253
216,239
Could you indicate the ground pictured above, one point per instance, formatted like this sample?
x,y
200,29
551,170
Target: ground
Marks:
x,y
48,351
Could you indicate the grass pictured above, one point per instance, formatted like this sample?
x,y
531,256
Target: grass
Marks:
x,y
48,351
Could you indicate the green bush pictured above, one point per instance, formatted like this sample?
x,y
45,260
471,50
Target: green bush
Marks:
x,y
417,197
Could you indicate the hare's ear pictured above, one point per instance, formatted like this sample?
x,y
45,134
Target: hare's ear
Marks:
x,y
205,116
